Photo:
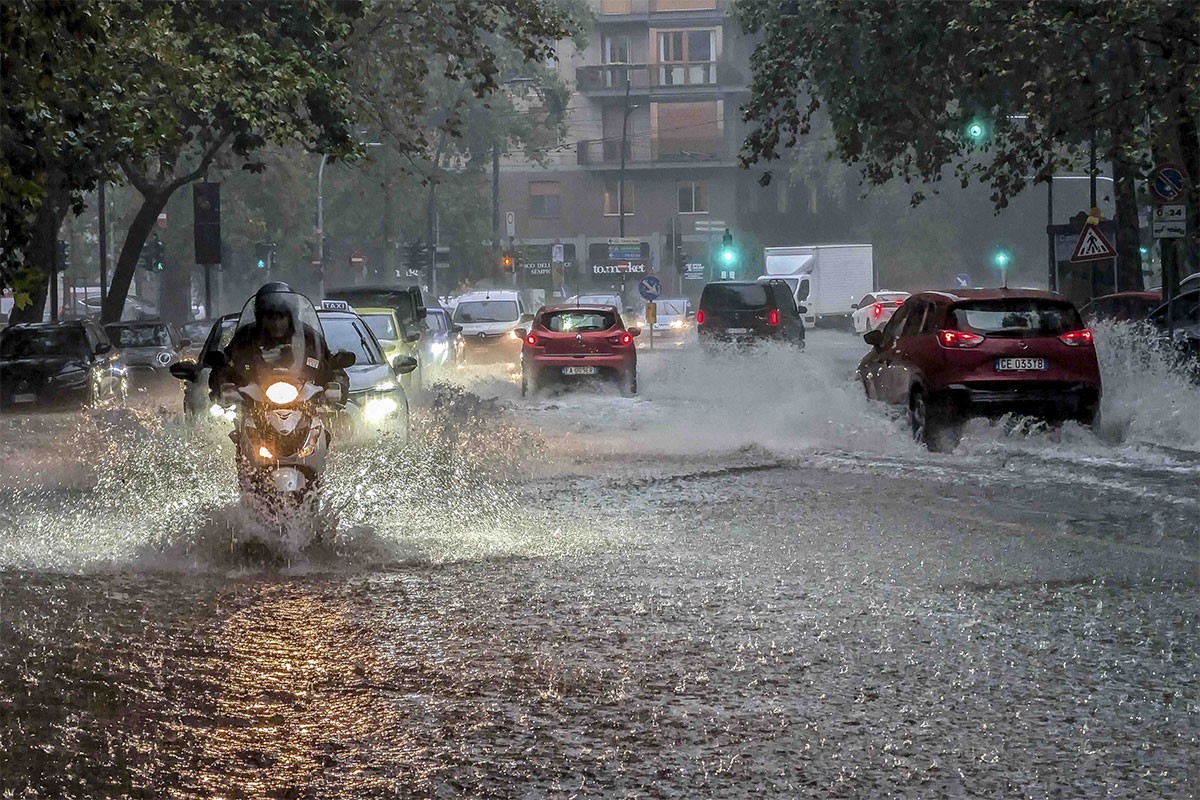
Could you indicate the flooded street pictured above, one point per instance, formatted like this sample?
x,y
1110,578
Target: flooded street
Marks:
x,y
746,581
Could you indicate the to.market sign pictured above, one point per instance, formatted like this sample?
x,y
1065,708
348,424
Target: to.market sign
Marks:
x,y
619,257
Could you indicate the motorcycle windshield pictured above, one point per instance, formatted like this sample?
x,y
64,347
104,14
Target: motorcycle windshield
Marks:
x,y
278,336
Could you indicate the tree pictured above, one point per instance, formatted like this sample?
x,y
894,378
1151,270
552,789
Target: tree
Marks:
x,y
901,79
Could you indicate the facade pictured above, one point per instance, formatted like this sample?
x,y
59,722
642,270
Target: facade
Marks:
x,y
666,78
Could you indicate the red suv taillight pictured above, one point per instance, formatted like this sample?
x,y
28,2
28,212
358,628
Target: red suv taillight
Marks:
x,y
877,310
773,317
531,340
959,339
699,317
1077,338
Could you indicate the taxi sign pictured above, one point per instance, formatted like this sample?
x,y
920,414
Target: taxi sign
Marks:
x,y
336,305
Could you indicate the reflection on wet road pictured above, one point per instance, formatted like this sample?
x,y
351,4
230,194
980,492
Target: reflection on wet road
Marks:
x,y
744,582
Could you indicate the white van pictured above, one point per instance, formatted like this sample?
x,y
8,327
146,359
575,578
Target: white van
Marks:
x,y
489,320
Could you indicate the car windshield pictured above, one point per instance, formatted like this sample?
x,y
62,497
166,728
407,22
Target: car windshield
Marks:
x,y
487,311
42,343
382,325
1017,317
139,336
579,321
670,308
735,296
436,322
352,335
196,330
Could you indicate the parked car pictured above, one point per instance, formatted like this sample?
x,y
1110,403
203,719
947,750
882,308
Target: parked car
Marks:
x,y
396,340
875,309
194,374
1183,315
148,348
489,321
947,356
442,342
749,311
1122,306
566,342
58,364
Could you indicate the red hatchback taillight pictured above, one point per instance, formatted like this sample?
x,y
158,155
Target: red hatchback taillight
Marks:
x,y
626,338
877,310
1077,338
773,317
959,339
531,340
699,317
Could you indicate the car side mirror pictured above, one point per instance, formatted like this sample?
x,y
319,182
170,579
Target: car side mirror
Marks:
x,y
521,332
402,365
412,337
102,348
184,370
854,306
634,331
185,342
527,318
333,393
874,338
802,309
691,315
342,359
456,328
215,359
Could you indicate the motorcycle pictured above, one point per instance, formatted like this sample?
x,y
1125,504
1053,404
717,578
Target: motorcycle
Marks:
x,y
277,409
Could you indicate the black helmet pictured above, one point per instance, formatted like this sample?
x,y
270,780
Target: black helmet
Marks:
x,y
273,296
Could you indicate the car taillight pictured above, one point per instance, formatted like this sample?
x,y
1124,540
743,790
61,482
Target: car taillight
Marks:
x,y
899,301
699,317
1077,338
531,340
877,310
958,339
626,338
773,317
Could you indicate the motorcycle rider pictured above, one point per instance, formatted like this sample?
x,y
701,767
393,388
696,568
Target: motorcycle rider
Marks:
x,y
272,340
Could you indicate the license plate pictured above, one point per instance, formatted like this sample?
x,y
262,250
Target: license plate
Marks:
x,y
578,370
24,398
1019,364
737,331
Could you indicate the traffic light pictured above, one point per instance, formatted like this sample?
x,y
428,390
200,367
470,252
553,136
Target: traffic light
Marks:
x,y
263,255
976,131
680,259
157,256
62,255
728,253
1001,258
508,261
418,259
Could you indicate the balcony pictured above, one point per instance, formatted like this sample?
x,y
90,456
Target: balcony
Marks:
x,y
695,75
643,8
640,153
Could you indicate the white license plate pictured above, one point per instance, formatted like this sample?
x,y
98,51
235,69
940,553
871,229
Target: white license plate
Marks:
x,y
578,370
24,398
1019,364
737,331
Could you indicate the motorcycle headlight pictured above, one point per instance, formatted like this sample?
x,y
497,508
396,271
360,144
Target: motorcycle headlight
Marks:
x,y
281,393
378,409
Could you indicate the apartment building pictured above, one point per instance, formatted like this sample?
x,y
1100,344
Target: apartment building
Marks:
x,y
665,79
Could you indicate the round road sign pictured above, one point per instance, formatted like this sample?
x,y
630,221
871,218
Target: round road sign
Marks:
x,y
649,288
1168,183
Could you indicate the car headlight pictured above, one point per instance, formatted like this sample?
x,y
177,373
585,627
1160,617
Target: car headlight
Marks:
x,y
676,324
438,348
386,386
218,411
281,393
513,335
378,409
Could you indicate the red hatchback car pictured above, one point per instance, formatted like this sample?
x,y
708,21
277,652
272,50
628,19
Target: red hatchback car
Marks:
x,y
979,352
578,341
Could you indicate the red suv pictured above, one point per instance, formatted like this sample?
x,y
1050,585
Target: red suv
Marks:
x,y
950,355
566,342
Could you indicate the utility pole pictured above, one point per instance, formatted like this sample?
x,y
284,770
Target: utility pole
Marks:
x,y
624,142
103,244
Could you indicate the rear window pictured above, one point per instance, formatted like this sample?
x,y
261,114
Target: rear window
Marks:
x,y
1017,317
735,297
581,321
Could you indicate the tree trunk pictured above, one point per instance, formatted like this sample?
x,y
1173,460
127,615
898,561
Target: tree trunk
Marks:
x,y
1129,275
135,239
42,253
1189,149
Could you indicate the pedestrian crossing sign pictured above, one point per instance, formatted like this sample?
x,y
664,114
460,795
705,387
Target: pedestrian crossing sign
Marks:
x,y
1092,246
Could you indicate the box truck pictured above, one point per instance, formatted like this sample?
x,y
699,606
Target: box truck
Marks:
x,y
827,279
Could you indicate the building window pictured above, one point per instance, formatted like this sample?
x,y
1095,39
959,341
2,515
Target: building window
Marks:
x,y
693,197
687,57
544,199
612,203
688,131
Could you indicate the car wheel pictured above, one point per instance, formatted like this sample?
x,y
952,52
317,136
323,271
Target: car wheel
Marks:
x,y
529,381
933,423
628,382
1089,416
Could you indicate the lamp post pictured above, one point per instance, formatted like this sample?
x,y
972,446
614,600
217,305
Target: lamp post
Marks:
x,y
621,177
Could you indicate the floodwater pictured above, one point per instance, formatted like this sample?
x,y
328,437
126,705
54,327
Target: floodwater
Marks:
x,y
746,581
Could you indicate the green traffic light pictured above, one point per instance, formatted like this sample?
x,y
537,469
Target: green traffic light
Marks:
x,y
1001,258
727,256
975,130
262,264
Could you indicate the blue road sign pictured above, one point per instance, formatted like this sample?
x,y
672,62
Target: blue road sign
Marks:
x,y
962,280
1169,183
649,288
